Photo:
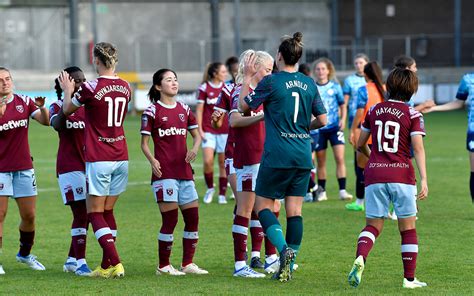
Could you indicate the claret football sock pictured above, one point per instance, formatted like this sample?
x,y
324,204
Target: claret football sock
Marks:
x,y
239,235
79,229
256,234
222,185
272,229
190,234
366,241
409,252
104,237
209,178
165,237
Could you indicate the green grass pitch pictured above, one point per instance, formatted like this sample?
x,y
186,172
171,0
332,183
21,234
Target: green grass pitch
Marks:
x,y
445,228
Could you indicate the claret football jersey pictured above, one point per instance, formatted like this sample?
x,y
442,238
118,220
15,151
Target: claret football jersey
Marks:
x,y
208,95
105,100
14,148
168,125
391,125
71,140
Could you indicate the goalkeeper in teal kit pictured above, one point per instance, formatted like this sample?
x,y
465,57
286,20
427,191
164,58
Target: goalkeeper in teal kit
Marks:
x,y
289,99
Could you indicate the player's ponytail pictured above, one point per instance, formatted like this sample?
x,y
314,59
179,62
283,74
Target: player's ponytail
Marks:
x,y
291,48
154,94
211,71
374,73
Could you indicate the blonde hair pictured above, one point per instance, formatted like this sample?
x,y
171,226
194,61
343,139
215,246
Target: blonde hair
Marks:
x,y
107,54
262,57
329,65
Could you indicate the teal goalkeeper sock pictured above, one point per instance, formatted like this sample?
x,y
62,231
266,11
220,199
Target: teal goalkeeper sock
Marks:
x,y
272,229
294,232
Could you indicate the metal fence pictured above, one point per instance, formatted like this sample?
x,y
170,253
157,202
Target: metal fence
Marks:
x,y
192,55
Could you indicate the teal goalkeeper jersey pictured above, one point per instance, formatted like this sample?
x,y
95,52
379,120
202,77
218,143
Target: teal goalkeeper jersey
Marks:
x,y
289,100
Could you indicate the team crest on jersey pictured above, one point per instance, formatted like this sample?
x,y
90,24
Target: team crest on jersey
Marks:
x,y
20,109
79,190
330,92
169,191
181,117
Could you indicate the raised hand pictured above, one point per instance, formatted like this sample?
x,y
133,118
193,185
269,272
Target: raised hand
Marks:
x,y
249,65
39,101
66,82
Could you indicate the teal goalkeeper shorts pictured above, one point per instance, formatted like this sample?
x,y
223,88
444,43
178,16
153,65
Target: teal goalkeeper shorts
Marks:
x,y
276,183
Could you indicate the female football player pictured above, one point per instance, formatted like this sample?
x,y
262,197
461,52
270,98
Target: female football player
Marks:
x,y
332,97
351,85
105,100
213,140
70,169
17,176
389,175
289,99
464,94
367,96
172,177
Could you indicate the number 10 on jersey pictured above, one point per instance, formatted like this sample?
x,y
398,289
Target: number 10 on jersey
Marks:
x,y
115,111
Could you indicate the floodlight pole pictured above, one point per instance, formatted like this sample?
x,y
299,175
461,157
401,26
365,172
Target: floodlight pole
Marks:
x,y
238,45
357,23
95,37
457,33
74,31
215,30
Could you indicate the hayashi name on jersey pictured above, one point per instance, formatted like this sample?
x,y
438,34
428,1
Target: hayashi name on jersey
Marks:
x,y
11,124
296,83
112,88
389,110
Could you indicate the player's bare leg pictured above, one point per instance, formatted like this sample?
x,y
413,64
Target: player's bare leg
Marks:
x,y
27,208
222,178
3,214
322,174
208,159
338,151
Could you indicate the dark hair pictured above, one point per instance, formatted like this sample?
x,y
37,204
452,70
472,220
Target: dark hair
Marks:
x,y
57,87
373,72
291,48
153,94
211,71
230,61
305,69
403,61
401,84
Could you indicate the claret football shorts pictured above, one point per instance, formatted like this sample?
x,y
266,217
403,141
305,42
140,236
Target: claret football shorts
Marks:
x,y
18,184
171,190
73,186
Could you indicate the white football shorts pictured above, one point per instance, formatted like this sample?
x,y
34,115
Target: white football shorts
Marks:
x,y
247,177
73,186
18,184
107,177
214,141
172,190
